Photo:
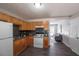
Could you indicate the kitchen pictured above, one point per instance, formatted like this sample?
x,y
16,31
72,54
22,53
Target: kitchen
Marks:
x,y
29,29
23,32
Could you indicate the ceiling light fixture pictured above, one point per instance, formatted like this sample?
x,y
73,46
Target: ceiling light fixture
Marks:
x,y
38,5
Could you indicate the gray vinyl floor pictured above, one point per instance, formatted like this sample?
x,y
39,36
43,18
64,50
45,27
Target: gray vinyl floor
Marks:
x,y
56,49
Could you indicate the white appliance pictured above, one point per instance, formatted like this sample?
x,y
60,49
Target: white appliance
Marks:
x,y
6,39
38,40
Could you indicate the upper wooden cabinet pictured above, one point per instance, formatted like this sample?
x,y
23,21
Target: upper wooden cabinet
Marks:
x,y
24,26
4,17
15,21
7,18
27,26
45,24
32,25
10,19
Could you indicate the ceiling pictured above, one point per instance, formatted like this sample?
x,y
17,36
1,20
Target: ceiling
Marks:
x,y
48,10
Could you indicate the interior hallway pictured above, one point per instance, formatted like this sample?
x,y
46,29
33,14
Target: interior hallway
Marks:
x,y
57,49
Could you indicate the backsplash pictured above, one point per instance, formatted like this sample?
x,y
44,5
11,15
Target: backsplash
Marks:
x,y
30,32
26,32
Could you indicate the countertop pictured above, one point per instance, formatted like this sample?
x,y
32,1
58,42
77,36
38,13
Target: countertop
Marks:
x,y
20,38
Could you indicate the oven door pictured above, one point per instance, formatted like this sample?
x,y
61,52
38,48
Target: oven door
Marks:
x,y
38,42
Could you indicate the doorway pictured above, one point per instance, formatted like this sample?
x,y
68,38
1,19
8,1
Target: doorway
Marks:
x,y
53,29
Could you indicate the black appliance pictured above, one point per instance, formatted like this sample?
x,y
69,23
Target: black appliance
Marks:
x,y
39,31
58,38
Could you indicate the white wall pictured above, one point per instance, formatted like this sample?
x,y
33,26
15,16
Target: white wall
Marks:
x,y
70,32
74,33
65,28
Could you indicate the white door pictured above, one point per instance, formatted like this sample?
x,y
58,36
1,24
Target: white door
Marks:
x,y
52,32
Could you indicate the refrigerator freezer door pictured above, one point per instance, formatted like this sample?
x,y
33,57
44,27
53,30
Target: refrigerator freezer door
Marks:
x,y
6,47
6,30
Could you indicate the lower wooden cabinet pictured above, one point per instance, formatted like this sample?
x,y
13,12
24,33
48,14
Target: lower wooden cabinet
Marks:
x,y
26,43
46,44
21,44
30,40
17,47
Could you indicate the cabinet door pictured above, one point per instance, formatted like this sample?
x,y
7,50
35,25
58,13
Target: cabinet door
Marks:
x,y
22,44
25,45
5,17
30,40
45,24
17,47
45,42
28,26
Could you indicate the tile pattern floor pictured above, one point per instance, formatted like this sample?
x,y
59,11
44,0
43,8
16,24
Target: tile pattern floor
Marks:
x,y
57,49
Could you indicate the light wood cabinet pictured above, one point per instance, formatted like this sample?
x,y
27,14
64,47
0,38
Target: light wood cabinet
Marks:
x,y
45,24
24,26
18,46
15,21
32,25
30,40
46,44
21,44
29,26
4,17
10,19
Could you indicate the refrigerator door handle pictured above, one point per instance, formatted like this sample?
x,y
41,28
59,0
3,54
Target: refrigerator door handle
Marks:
x,y
5,38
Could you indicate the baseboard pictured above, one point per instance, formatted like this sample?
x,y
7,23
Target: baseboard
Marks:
x,y
75,51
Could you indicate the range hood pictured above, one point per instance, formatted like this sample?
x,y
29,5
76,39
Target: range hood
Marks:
x,y
39,29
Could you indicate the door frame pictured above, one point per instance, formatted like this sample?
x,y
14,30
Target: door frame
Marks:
x,y
49,30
